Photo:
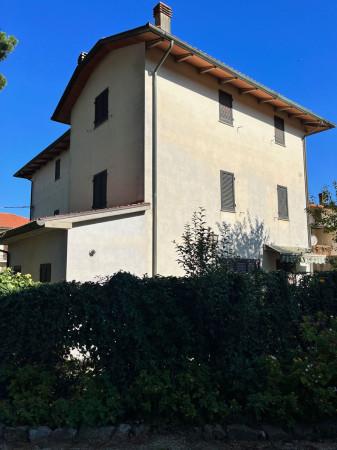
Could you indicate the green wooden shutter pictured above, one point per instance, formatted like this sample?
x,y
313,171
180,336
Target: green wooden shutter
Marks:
x,y
279,130
227,191
282,199
102,107
225,107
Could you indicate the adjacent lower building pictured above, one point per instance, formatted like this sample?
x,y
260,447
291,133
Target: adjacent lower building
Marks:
x,y
9,222
157,129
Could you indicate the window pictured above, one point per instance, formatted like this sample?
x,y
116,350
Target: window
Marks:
x,y
17,269
56,212
242,265
99,190
279,130
57,169
282,199
45,273
227,191
101,107
225,108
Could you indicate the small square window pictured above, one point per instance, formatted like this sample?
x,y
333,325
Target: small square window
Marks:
x,y
102,107
17,269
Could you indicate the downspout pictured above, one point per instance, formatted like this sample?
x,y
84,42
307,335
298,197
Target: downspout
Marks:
x,y
306,191
154,157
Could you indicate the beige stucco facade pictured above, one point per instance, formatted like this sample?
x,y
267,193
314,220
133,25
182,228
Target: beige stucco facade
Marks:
x,y
193,147
41,247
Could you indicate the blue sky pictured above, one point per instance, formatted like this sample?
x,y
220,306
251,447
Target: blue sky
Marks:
x,y
290,46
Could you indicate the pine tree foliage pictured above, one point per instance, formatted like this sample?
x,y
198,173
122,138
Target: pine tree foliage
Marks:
x,y
7,45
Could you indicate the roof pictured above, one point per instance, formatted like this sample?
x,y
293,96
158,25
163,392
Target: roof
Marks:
x,y
186,54
66,221
52,151
9,221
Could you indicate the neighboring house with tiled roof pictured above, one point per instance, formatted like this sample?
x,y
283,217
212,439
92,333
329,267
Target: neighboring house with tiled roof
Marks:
x,y
157,129
8,222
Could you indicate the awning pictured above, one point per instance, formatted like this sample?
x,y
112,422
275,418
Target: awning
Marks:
x,y
288,254
292,254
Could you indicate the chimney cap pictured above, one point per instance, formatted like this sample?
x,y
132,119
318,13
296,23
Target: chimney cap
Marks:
x,y
162,8
162,14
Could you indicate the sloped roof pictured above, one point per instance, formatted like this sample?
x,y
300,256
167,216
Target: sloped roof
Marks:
x,y
9,221
52,151
183,53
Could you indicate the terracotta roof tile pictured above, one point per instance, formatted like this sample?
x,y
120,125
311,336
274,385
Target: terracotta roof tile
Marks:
x,y
12,220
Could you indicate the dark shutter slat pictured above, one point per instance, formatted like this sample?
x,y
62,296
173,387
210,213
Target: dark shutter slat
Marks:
x,y
100,190
225,107
102,107
227,191
282,198
279,130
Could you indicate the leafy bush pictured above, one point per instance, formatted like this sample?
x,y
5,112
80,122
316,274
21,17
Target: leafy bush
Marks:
x,y
215,347
11,281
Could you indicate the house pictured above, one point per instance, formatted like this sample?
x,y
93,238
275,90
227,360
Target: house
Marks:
x,y
157,129
9,222
323,244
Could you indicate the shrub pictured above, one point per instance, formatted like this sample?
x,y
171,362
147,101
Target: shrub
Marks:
x,y
210,348
11,281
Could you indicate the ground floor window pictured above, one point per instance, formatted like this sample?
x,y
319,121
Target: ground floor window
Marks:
x,y
243,265
17,269
45,273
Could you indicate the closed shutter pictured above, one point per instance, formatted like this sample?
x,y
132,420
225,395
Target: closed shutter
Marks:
x,y
102,107
100,190
225,107
227,191
282,198
279,130
57,169
45,273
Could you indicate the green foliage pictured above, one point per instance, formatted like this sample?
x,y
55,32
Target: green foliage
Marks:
x,y
327,216
201,250
10,281
211,348
7,45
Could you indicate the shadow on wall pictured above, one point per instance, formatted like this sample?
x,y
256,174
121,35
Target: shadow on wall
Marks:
x,y
246,238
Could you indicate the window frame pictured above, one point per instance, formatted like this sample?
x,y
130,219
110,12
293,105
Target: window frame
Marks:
x,y
278,142
99,116
95,177
280,217
45,277
57,172
221,119
232,210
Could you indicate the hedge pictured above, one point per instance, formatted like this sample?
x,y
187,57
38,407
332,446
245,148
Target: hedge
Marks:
x,y
214,348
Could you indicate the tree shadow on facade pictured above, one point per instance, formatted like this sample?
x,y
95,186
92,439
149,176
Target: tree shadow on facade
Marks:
x,y
246,238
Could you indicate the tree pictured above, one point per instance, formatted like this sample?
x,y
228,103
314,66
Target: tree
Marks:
x,y
326,215
7,45
201,249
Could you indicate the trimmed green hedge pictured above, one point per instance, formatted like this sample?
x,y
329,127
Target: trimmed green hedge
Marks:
x,y
219,347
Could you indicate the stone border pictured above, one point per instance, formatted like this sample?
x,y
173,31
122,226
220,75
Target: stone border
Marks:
x,y
97,436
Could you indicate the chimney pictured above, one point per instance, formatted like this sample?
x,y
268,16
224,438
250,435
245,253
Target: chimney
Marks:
x,y
81,57
162,14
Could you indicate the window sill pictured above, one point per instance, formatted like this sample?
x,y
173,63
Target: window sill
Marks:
x,y
280,144
228,210
226,123
284,219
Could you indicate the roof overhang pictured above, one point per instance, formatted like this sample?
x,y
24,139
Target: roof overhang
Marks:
x,y
68,221
153,36
49,153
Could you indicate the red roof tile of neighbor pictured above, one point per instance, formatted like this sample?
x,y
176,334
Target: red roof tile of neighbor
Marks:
x,y
12,220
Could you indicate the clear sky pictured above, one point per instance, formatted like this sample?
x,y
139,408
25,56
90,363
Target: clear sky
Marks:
x,y
290,46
